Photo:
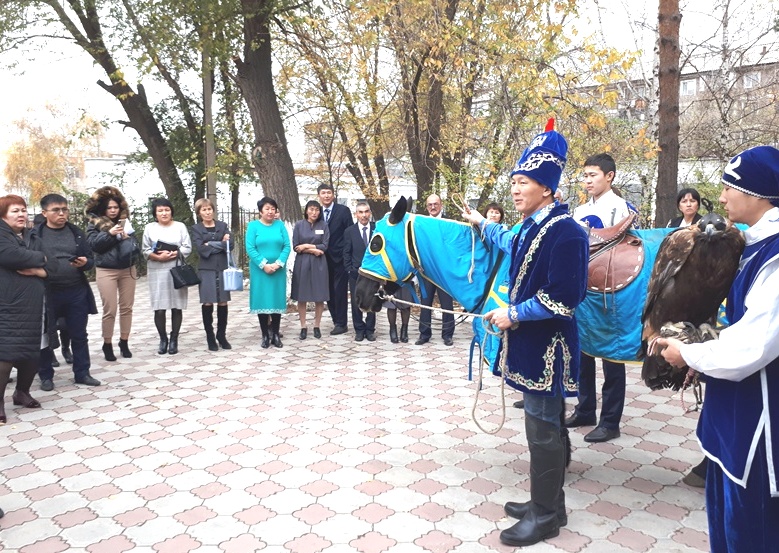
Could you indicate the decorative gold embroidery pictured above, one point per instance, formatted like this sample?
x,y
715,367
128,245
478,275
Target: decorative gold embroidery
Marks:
x,y
545,382
534,245
555,307
513,315
547,377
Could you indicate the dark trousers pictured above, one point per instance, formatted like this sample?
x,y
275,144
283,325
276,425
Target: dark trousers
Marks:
x,y
73,305
425,329
339,286
361,326
742,519
612,393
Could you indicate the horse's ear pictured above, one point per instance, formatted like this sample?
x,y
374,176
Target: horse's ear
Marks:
x,y
410,204
398,212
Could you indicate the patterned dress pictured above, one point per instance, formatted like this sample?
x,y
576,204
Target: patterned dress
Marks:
x,y
161,291
267,244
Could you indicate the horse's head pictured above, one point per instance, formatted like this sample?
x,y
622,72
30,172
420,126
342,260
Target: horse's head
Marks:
x,y
386,261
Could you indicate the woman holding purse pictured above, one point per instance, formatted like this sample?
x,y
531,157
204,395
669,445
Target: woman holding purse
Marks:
x,y
170,234
212,239
111,238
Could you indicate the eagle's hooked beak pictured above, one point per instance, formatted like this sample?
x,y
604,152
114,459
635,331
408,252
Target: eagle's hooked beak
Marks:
x,y
710,229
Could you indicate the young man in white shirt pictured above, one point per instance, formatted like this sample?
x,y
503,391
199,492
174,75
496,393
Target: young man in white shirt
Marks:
x,y
604,209
738,425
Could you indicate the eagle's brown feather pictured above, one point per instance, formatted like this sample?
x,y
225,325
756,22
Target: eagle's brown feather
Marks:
x,y
691,277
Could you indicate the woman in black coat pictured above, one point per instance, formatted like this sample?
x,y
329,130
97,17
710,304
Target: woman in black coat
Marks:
x,y
23,268
688,202
211,238
111,238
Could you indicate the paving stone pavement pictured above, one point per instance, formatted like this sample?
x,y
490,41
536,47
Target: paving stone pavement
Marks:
x,y
322,445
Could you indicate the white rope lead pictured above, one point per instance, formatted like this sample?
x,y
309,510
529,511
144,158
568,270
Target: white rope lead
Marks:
x,y
487,330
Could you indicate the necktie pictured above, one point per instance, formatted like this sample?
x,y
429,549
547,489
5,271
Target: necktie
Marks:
x,y
365,235
327,215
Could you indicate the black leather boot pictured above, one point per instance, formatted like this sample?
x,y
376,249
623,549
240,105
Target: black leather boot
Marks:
x,y
163,346
265,340
275,340
547,471
211,340
125,349
108,352
173,345
394,334
208,326
404,333
221,327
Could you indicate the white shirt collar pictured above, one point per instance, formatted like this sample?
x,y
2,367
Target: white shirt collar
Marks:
x,y
768,225
604,197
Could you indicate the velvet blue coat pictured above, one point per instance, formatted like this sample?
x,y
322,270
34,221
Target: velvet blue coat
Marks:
x,y
550,264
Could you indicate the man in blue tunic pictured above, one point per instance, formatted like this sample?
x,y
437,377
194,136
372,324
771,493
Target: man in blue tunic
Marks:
x,y
741,412
540,349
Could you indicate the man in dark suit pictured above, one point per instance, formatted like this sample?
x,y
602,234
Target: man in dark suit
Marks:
x,y
338,219
356,239
435,209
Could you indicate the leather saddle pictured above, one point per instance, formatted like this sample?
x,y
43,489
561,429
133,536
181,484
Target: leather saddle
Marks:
x,y
616,256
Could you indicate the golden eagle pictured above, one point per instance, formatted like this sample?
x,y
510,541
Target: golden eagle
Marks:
x,y
692,274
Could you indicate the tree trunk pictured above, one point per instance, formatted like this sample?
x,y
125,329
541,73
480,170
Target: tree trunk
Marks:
x,y
255,79
135,105
668,125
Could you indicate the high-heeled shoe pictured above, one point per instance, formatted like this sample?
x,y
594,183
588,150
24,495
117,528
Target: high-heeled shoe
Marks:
x,y
108,351
125,349
303,333
404,333
163,349
25,400
317,332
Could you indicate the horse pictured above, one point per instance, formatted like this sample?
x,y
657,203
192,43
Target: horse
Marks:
x,y
452,255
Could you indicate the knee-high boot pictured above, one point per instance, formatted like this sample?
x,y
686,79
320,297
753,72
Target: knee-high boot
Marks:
x,y
547,472
175,323
275,323
221,327
159,322
265,332
208,326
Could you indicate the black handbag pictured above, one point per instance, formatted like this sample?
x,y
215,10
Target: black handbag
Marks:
x,y
128,251
160,246
183,274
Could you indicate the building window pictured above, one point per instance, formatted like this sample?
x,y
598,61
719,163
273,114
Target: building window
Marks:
x,y
751,80
688,87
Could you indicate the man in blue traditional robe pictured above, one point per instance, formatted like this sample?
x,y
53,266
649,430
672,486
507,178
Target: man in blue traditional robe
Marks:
x,y
741,413
540,349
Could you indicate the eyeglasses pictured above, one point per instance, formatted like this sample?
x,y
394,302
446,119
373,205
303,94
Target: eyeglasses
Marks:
x,y
59,210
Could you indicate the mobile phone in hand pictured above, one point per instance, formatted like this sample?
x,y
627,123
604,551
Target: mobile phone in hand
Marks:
x,y
73,258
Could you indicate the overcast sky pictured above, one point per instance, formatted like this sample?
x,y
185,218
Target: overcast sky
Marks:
x,y
66,77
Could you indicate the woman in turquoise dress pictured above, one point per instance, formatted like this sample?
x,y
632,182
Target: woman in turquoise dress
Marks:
x,y
268,246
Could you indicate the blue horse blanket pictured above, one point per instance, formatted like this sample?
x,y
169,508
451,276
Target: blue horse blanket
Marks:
x,y
609,324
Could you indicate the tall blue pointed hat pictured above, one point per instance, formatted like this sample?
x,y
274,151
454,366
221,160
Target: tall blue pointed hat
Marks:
x,y
544,159
755,172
